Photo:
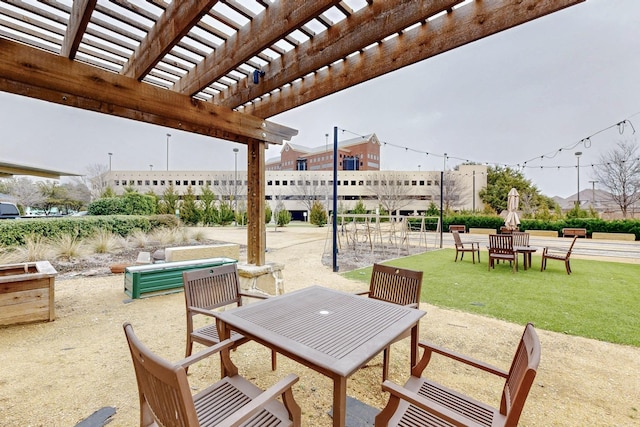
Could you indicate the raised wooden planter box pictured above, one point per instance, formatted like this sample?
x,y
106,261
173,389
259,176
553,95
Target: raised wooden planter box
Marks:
x,y
542,233
163,278
27,292
613,236
482,231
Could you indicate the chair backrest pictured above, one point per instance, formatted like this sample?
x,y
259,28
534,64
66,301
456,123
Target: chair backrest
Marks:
x,y
456,239
520,238
501,243
212,287
395,285
521,375
571,247
163,387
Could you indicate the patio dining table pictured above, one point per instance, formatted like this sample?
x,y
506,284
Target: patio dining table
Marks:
x,y
332,332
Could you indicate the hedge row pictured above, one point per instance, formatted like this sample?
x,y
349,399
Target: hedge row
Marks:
x,y
14,232
591,224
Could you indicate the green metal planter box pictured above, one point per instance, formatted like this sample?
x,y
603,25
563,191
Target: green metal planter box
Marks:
x,y
163,278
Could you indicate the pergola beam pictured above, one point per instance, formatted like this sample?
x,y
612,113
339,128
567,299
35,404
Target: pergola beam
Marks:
x,y
456,28
38,74
367,26
173,25
264,30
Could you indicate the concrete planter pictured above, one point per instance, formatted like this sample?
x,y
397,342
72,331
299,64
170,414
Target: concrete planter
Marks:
x,y
27,292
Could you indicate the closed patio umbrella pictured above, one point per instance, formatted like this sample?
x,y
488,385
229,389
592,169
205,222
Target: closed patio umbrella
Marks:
x,y
513,200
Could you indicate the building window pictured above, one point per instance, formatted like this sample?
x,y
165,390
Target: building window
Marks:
x,y
421,182
284,182
185,182
406,182
345,182
277,182
224,182
139,182
323,182
368,182
216,182
414,182
208,182
353,183
315,182
147,182
177,182
269,182
162,182
155,182
300,182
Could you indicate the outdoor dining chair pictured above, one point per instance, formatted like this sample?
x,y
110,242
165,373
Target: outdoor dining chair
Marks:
x,y
422,402
398,286
472,247
558,254
206,290
166,399
501,249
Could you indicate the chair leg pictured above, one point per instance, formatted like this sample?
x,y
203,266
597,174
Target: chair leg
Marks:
x,y
567,266
273,360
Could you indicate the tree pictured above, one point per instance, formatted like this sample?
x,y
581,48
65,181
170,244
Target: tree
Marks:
x,y
389,192
169,201
619,173
318,215
453,190
25,192
189,212
502,179
309,191
208,201
96,180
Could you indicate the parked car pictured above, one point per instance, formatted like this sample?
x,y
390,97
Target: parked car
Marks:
x,y
9,211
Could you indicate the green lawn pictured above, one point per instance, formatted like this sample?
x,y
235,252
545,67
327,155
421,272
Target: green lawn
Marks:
x,y
599,300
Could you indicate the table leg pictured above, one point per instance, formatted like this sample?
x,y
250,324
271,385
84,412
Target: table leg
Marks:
x,y
339,401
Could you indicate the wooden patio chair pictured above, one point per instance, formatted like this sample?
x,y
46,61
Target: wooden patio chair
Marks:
x,y
207,289
558,254
166,399
472,247
501,249
422,402
398,286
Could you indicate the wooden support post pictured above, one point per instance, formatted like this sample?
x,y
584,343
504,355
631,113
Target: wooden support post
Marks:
x,y
256,226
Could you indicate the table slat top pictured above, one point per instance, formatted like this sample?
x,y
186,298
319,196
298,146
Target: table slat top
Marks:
x,y
332,329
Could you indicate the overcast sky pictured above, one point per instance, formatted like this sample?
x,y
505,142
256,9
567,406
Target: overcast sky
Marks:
x,y
527,92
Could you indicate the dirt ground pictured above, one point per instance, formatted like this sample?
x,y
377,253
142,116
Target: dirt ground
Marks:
x,y
59,373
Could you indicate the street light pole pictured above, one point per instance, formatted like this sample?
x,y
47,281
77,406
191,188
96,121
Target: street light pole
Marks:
x,y
150,167
235,184
593,191
110,154
578,154
168,136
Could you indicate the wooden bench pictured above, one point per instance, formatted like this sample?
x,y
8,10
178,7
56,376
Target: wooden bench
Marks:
x,y
542,233
162,278
571,232
613,236
458,228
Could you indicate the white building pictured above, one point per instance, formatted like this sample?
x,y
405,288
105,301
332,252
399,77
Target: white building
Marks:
x,y
409,192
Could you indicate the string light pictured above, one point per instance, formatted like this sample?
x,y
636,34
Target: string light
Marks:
x,y
584,142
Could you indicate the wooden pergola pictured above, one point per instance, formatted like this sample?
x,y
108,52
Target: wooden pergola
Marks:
x,y
220,68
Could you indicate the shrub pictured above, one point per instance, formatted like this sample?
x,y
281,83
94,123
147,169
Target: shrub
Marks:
x,y
318,215
268,214
284,218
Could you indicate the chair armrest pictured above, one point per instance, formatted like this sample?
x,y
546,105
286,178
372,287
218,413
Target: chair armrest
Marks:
x,y
244,294
412,305
429,406
256,404
464,359
188,361
203,311
362,293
